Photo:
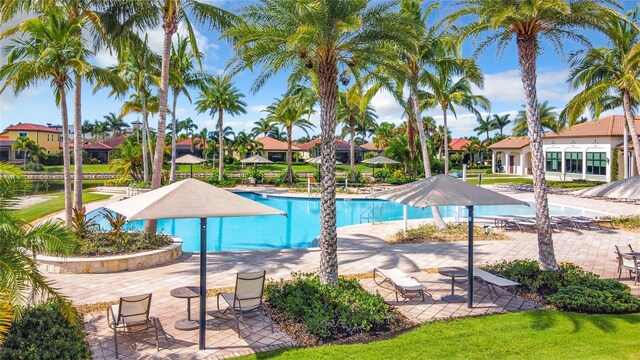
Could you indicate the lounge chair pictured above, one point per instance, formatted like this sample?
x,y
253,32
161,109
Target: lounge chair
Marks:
x,y
630,263
130,316
247,297
401,283
594,221
492,280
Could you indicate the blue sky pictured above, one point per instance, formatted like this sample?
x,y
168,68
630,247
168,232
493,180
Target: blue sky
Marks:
x,y
502,86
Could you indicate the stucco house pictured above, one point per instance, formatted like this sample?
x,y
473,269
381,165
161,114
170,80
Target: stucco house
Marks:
x,y
44,136
311,148
276,150
584,151
103,149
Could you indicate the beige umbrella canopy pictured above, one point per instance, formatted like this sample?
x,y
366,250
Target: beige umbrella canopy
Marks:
x,y
447,190
318,160
627,189
191,198
379,160
190,160
256,159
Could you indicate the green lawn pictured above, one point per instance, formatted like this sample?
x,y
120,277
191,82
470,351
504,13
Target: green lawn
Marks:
x,y
92,168
526,335
104,168
36,211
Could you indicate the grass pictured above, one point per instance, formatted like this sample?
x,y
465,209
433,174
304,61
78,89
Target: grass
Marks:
x,y
490,180
104,168
626,222
36,211
431,233
525,335
87,168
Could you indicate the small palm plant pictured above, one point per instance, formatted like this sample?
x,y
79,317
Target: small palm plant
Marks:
x,y
116,222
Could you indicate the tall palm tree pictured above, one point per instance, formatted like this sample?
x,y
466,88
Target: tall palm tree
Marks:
x,y
99,130
220,96
25,145
325,41
384,133
354,108
182,76
549,120
527,22
20,279
52,48
244,143
189,127
447,92
115,123
87,128
263,127
485,125
289,112
501,121
609,71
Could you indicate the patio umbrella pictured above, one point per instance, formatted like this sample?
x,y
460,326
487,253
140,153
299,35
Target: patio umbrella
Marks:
x,y
626,189
318,160
176,201
255,160
379,160
189,159
445,190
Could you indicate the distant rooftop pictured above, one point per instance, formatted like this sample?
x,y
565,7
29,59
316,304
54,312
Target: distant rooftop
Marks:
x,y
31,127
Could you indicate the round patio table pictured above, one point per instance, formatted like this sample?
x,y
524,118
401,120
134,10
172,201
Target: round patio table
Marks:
x,y
453,273
186,292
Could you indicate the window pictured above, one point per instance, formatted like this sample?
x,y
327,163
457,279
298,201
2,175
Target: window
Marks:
x,y
573,162
23,134
18,155
597,163
554,161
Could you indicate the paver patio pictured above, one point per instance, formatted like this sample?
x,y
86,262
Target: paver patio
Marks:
x,y
361,248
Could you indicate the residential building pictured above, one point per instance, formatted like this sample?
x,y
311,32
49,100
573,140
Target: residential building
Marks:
x,y
42,135
58,128
459,146
184,147
276,150
370,146
102,150
584,151
6,153
311,149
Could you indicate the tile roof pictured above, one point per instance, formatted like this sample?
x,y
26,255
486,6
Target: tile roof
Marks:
x,y
187,142
457,144
340,145
4,141
512,142
271,144
371,146
612,125
107,144
31,127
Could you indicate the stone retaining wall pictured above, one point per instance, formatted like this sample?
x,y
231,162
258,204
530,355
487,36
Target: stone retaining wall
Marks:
x,y
110,264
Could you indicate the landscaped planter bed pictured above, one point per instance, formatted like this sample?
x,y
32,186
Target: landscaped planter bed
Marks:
x,y
110,264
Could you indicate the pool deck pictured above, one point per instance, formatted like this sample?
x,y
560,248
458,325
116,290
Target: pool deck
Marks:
x,y
361,248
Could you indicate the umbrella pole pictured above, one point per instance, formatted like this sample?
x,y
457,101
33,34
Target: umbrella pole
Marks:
x,y
203,282
191,171
470,260
404,216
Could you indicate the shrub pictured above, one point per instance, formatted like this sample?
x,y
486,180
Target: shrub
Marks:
x,y
397,174
254,173
122,181
123,242
594,301
32,166
329,312
382,175
225,182
44,333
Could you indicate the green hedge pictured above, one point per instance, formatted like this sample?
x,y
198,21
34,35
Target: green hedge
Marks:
x,y
571,288
43,333
329,312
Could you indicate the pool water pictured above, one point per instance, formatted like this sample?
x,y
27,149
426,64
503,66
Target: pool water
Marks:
x,y
302,225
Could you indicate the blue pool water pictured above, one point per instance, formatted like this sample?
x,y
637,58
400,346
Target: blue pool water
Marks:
x,y
302,225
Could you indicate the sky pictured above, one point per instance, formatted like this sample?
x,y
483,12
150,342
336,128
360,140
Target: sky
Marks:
x,y
502,85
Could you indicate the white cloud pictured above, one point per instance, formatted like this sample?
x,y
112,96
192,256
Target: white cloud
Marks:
x,y
257,108
387,108
105,59
9,101
156,40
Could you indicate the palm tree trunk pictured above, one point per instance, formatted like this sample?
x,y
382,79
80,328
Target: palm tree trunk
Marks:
x,y
65,155
145,157
156,178
174,133
426,161
633,131
220,144
352,148
327,80
445,139
77,144
411,131
527,51
289,176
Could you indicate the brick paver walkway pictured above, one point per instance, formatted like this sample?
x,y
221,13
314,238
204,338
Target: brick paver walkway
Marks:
x,y
361,248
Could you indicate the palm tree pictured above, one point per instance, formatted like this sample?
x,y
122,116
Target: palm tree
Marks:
x,y
263,127
384,134
527,21
87,128
20,280
115,123
188,126
52,49
485,125
501,121
353,109
99,130
199,140
448,92
244,143
398,150
25,145
609,71
549,120
228,136
315,42
182,77
289,112
220,96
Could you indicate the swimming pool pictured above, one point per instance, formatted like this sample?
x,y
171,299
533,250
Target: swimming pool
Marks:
x,y
302,225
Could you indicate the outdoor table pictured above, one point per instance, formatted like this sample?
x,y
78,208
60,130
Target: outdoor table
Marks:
x,y
453,273
186,292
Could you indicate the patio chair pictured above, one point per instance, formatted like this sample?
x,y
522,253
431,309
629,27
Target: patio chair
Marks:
x,y
247,297
400,282
630,263
131,316
491,281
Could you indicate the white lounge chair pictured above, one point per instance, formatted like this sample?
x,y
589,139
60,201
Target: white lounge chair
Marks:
x,y
247,297
630,263
402,284
492,280
131,315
